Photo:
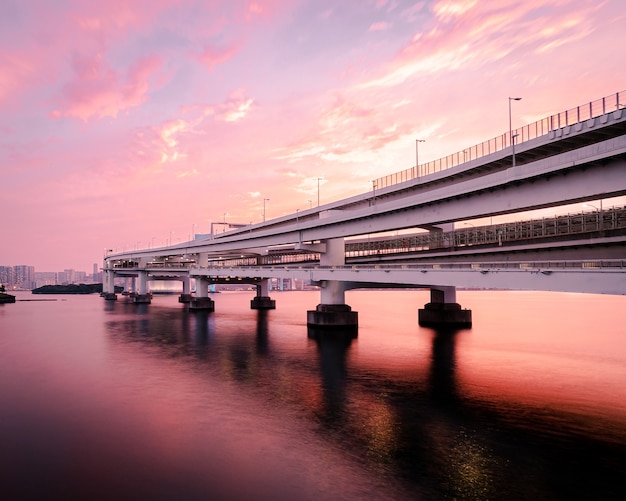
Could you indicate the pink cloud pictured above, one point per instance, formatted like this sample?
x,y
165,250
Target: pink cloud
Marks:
x,y
99,91
380,26
213,56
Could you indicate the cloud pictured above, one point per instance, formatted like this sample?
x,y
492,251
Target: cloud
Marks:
x,y
213,56
234,109
99,91
380,26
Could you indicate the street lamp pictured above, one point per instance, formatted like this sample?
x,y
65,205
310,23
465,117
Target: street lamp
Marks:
x,y
318,190
511,137
417,165
264,200
310,203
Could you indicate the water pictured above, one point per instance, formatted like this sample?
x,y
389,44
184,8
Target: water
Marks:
x,y
109,400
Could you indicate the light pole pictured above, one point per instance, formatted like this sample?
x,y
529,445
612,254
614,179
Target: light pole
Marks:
x,y
417,165
318,190
264,200
310,203
374,192
511,138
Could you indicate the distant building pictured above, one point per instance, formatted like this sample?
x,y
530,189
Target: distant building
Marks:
x,y
23,277
45,278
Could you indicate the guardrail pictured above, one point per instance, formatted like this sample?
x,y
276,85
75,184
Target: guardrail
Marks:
x,y
536,129
598,220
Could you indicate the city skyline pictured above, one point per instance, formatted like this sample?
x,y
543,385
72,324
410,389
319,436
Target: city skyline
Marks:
x,y
136,124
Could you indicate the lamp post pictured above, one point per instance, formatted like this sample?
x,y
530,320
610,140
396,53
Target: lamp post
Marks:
x,y
310,203
264,200
318,190
511,138
417,165
599,212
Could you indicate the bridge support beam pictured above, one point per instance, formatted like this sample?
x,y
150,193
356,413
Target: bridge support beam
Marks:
x,y
202,301
333,310
142,296
108,286
185,297
262,300
443,310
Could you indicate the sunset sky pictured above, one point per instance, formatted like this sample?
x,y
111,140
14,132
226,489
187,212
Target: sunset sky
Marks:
x,y
125,122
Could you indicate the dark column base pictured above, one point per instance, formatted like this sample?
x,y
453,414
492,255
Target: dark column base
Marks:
x,y
142,298
444,315
332,315
262,303
185,298
109,296
201,304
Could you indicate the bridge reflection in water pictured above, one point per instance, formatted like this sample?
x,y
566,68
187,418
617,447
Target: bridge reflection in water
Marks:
x,y
397,399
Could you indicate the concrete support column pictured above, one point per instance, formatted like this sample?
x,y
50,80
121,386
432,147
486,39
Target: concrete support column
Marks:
x,y
333,310
262,300
203,260
108,285
443,310
202,301
185,297
332,292
142,296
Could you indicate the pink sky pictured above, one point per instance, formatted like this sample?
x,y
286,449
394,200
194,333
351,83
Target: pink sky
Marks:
x,y
123,122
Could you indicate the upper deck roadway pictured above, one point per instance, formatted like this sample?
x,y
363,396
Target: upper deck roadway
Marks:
x,y
572,157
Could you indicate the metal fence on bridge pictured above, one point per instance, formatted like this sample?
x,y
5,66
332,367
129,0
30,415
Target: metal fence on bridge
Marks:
x,y
536,129
558,226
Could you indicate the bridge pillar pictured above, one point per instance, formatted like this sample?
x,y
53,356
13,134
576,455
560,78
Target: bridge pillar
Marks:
x,y
142,296
185,297
262,300
333,310
202,301
443,310
108,285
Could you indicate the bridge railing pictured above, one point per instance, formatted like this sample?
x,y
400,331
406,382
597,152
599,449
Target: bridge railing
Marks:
x,y
536,129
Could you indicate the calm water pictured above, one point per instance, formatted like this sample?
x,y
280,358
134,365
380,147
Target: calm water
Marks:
x,y
110,400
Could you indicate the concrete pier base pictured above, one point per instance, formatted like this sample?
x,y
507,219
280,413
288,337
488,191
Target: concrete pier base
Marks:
x,y
444,315
201,304
262,303
109,296
332,315
142,298
185,298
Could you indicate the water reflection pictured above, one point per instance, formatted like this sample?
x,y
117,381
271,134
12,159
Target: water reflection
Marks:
x,y
419,424
332,346
442,382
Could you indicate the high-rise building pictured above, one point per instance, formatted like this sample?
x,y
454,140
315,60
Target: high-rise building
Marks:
x,y
6,276
45,278
24,277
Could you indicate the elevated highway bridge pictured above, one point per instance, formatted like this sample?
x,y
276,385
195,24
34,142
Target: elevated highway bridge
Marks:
x,y
575,157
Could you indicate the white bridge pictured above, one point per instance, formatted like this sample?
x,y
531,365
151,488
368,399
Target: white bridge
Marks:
x,y
573,157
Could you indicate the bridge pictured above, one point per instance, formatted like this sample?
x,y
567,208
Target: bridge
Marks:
x,y
573,157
